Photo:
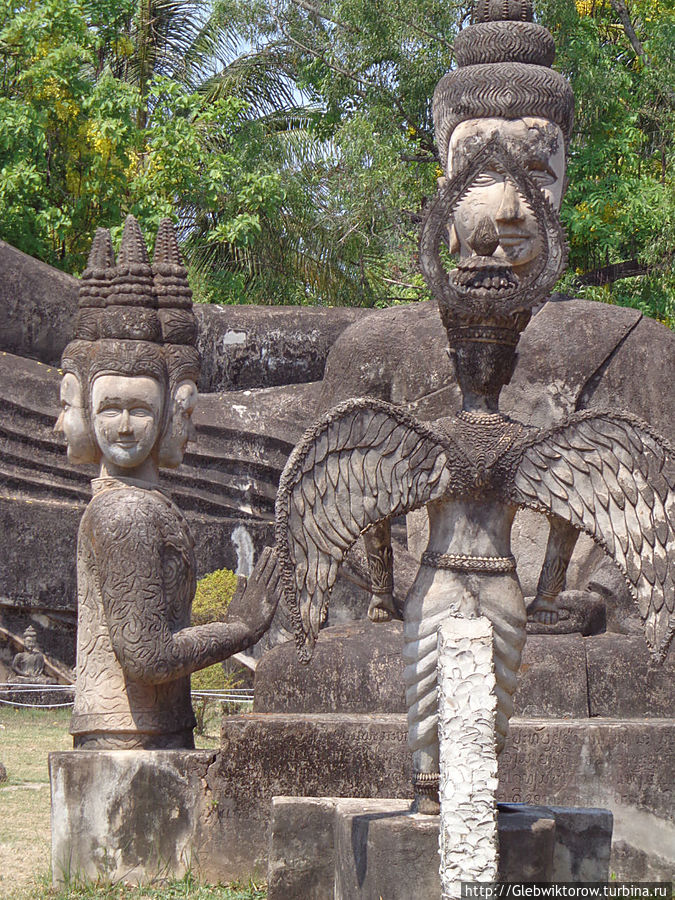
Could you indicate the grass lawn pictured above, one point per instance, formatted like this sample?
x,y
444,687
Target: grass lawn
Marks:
x,y
26,737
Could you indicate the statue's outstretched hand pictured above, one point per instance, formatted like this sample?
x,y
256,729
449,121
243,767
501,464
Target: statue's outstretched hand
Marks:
x,y
255,599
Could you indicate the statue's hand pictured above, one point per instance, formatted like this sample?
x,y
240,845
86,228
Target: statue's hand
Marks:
x,y
543,610
383,608
255,599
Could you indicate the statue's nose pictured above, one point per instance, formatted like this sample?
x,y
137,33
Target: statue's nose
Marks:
x,y
125,422
510,207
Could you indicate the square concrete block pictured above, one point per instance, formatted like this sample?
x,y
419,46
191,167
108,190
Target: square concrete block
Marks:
x,y
384,850
526,843
125,815
302,849
583,843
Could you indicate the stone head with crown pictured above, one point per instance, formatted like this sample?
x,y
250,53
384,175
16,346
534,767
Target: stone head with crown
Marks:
x,y
129,384
503,120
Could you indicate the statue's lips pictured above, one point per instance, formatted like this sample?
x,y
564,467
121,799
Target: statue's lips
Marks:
x,y
511,238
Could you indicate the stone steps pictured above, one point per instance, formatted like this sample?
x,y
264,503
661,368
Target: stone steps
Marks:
x,y
33,463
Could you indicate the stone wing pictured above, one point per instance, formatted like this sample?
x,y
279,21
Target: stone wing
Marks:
x,y
364,461
611,476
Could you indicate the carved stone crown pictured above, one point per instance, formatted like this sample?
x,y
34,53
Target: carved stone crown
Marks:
x,y
134,317
504,62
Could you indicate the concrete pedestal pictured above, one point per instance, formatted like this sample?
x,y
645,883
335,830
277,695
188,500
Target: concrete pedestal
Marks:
x,y
329,848
135,816
625,766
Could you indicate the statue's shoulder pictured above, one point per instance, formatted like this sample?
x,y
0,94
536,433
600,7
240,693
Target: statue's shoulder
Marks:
x,y
119,510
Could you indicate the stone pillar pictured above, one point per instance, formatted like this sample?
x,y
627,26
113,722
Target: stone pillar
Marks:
x,y
467,703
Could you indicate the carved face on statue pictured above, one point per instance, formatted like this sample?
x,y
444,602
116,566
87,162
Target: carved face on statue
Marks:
x,y
72,422
538,145
181,428
127,414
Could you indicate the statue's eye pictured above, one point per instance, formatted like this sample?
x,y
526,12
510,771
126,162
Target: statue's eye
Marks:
x,y
487,178
140,412
541,176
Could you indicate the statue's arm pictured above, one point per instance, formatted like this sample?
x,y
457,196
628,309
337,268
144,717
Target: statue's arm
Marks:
x,y
377,540
562,539
131,559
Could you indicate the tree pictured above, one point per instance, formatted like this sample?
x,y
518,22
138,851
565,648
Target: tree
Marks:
x,y
620,208
105,110
371,66
292,139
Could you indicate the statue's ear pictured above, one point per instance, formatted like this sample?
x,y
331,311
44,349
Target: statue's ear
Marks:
x,y
453,240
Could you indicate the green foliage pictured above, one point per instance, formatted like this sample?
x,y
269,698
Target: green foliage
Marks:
x,y
212,597
370,68
93,128
293,141
211,600
620,206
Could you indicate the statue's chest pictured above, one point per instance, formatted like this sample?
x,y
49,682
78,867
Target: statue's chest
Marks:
x,y
484,443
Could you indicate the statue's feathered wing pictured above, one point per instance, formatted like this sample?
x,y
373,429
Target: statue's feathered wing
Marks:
x,y
612,477
364,461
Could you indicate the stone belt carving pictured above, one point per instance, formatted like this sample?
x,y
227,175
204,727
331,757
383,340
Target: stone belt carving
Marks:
x,y
458,562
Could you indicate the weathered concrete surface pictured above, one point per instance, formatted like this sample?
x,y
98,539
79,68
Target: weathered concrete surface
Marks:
x,y
330,848
263,346
526,843
385,850
37,306
356,668
623,681
302,848
265,755
132,816
552,678
625,766
242,346
583,841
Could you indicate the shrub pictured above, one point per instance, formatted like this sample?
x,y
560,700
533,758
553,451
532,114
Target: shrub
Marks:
x,y
211,600
213,595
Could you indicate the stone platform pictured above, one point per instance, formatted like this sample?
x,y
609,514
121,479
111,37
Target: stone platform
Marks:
x,y
327,848
142,816
214,813
623,765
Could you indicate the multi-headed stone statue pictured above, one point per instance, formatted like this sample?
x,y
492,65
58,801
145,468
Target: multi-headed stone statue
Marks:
x,y
503,120
128,392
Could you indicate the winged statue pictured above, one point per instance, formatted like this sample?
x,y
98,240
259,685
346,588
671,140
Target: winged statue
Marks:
x,y
604,473
503,120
